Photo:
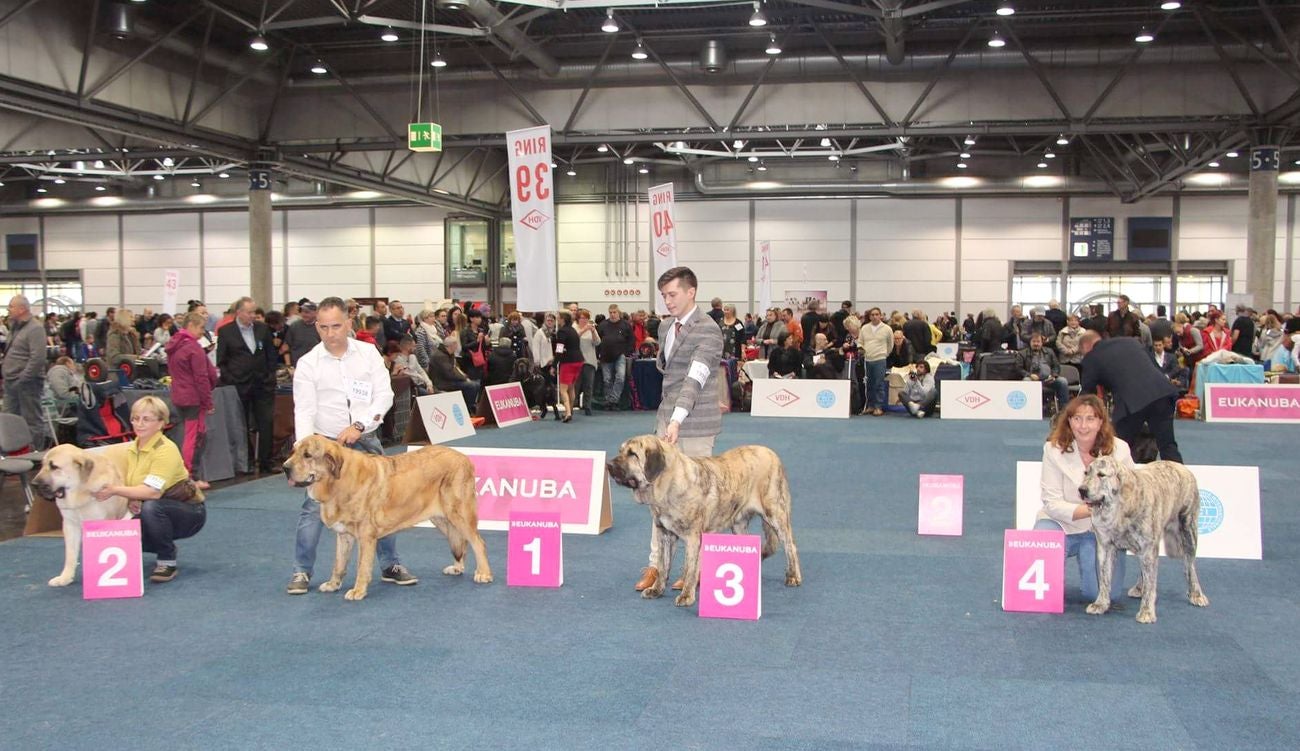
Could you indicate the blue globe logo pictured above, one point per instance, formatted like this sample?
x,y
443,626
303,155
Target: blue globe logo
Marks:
x,y
1211,516
1017,400
825,399
458,414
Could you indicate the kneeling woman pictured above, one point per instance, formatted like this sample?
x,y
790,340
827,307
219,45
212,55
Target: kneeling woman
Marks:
x,y
1083,433
169,505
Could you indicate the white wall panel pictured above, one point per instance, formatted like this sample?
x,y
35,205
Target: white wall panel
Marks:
x,y
906,252
410,255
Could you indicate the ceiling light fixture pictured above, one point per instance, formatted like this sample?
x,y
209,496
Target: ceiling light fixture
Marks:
x,y
389,35
762,167
1211,164
610,26
100,188
159,177
437,61
1042,165
638,52
628,160
1061,140
997,41
1170,5
758,19
602,148
1049,154
1144,36
1005,9
772,47
826,142
970,141
834,157
259,43
964,155
1232,155
643,170
59,181
224,175
42,190
753,158
319,68
196,184
571,173
167,162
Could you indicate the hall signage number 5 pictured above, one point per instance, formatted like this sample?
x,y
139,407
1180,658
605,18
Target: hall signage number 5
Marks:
x,y
534,179
259,180
1265,160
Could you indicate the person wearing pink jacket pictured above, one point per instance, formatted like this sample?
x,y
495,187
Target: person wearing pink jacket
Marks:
x,y
193,379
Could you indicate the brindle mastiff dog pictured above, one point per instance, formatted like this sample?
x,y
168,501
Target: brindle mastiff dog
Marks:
x,y
1135,509
365,497
691,496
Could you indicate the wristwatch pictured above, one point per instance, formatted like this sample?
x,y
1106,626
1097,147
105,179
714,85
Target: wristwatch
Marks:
x,y
361,428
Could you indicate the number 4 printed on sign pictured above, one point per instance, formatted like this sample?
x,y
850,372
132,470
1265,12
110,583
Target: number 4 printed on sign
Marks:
x,y
1035,579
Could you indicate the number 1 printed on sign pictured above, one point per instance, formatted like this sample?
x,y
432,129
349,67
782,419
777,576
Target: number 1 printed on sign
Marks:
x,y
535,549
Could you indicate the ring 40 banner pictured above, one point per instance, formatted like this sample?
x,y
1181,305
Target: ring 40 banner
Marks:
x,y
532,207
663,235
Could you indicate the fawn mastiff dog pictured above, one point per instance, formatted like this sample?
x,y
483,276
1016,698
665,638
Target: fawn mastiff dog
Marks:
x,y
1136,509
690,496
70,477
364,497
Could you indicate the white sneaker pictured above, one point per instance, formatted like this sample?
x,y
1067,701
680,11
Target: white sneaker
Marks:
x,y
920,413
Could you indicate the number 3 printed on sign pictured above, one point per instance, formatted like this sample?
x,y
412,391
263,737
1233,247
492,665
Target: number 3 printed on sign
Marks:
x,y
110,578
532,182
731,577
1035,579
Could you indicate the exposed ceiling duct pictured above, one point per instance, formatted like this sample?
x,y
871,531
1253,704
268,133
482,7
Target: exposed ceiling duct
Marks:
x,y
713,56
893,28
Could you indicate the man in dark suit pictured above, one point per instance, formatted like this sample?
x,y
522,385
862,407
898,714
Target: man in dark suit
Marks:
x,y
1141,393
247,361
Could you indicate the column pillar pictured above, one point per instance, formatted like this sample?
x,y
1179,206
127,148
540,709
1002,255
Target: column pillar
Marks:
x,y
1261,227
259,237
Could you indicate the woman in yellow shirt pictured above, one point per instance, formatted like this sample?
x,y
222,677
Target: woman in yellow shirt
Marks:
x,y
158,487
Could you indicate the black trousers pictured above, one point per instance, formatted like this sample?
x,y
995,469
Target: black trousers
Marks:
x,y
1159,418
259,416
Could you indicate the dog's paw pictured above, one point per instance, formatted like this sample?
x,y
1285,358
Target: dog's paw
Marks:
x,y
61,581
355,594
652,593
1146,616
483,577
1199,600
683,600
455,569
1097,609
1135,591
793,580
330,586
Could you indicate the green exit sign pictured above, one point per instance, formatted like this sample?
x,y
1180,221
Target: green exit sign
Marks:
x,y
424,137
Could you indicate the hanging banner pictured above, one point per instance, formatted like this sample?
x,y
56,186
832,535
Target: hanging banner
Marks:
x,y
171,288
764,277
663,235
532,207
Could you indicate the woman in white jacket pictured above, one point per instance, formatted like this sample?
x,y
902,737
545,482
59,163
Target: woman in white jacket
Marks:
x,y
1083,433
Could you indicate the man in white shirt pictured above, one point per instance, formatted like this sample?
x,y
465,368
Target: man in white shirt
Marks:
x,y
341,390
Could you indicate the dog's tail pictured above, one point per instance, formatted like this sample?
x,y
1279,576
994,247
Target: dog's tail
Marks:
x,y
1181,536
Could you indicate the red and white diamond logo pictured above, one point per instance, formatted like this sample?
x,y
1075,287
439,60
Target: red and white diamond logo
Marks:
x,y
973,399
439,418
664,249
534,219
783,398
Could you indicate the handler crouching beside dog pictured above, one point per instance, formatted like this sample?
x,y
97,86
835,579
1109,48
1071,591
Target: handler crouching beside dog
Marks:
x,y
689,415
1081,435
158,488
341,390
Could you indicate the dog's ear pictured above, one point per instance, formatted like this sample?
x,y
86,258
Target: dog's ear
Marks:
x,y
655,464
333,462
87,466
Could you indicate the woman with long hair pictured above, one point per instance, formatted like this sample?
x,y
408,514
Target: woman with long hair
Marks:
x,y
568,353
1216,335
123,339
1082,433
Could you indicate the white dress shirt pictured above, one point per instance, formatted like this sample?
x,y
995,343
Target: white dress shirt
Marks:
x,y
1062,473
670,338
329,393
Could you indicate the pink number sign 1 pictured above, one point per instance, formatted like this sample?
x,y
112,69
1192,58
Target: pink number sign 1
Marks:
x,y
111,559
535,550
731,577
1033,571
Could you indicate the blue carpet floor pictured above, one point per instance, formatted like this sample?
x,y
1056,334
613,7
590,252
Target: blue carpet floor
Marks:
x,y
894,641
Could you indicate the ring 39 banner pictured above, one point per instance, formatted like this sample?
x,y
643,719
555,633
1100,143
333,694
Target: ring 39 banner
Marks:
x,y
663,234
532,208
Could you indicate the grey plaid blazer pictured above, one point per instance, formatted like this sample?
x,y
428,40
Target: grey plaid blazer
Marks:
x,y
699,342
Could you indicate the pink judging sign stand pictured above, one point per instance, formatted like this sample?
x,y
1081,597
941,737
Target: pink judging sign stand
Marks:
x,y
508,404
111,558
731,584
940,511
1033,571
535,550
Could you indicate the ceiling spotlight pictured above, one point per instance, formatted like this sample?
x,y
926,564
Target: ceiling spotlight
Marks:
x,y
571,173
762,167
997,41
99,164
1170,5
737,144
438,62
961,165
772,47
42,190
753,159
826,142
970,141
319,68
758,19
1005,9
167,161
224,175
159,177
610,26
964,155
627,160
1211,164
1144,36
1232,155
100,188
59,181
1049,154
602,148
638,52
389,35
643,170
834,157
259,43
1042,165
1061,140
196,184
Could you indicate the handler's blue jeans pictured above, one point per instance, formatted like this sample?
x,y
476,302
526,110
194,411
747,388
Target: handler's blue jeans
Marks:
x,y
310,526
1084,547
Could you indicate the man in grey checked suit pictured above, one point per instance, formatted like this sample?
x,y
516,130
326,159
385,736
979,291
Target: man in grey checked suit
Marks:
x,y
689,415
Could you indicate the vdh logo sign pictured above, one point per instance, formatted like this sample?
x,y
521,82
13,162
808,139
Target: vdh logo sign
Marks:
x,y
783,398
439,418
973,400
534,219
664,249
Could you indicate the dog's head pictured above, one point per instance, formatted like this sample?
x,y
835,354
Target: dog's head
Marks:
x,y
314,458
64,468
639,462
1102,482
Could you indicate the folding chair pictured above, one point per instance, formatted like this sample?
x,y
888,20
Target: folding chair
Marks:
x,y
1071,374
16,457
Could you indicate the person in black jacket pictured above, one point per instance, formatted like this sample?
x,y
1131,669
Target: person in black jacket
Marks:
x,y
989,336
568,353
500,362
786,360
395,324
1141,393
247,360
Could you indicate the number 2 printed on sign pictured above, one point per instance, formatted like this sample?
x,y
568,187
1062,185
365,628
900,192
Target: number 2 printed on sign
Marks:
x,y
110,578
530,181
